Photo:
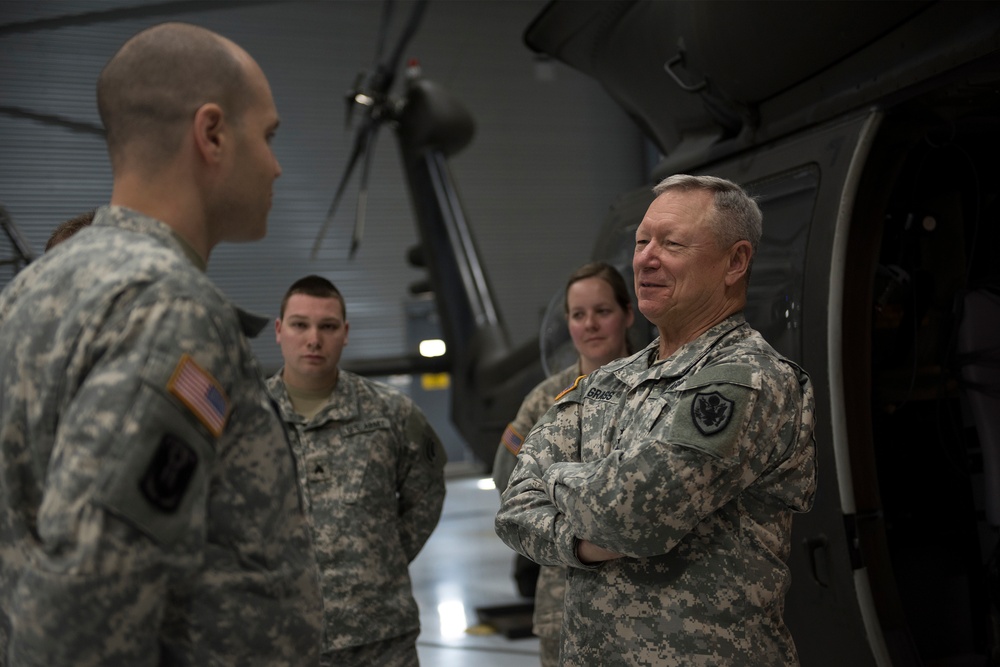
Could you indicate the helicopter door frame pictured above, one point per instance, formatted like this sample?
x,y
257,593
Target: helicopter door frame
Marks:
x,y
831,587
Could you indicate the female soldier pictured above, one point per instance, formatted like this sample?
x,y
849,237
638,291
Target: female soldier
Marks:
x,y
599,314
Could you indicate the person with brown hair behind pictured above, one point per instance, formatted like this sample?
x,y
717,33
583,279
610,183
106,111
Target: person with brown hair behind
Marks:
x,y
149,513
598,315
70,228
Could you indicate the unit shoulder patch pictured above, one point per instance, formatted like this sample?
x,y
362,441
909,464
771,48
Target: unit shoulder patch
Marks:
x,y
711,412
169,473
709,418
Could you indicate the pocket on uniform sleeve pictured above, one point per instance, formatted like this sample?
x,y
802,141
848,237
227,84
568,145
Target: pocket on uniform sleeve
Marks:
x,y
159,475
711,408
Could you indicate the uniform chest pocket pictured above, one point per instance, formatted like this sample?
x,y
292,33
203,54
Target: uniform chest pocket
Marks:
x,y
342,464
646,420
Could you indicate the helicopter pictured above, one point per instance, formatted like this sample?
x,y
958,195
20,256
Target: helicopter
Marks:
x,y
866,130
867,133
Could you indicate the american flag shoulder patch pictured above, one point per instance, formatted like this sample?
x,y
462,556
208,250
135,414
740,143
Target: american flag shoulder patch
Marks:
x,y
570,388
511,440
201,393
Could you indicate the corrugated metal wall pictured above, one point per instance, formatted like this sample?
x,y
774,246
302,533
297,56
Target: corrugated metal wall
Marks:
x,y
549,156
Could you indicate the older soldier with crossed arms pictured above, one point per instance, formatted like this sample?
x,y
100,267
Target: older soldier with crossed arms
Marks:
x,y
371,470
148,507
667,480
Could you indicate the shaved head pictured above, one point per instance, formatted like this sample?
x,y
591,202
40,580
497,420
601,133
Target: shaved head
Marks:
x,y
148,92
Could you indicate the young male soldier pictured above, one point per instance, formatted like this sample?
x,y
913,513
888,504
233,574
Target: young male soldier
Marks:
x,y
149,513
371,470
667,480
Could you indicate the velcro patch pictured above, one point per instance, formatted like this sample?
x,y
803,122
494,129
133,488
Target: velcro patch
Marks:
x,y
201,393
512,440
169,473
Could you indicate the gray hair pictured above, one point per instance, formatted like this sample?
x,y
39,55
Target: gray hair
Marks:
x,y
737,216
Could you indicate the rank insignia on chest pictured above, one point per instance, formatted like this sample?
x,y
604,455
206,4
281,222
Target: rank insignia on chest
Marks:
x,y
711,412
201,393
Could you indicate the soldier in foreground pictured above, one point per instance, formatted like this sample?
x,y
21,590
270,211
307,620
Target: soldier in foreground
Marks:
x,y
371,470
148,507
667,480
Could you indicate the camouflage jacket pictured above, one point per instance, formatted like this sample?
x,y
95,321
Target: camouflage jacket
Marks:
x,y
148,508
534,405
372,472
551,586
691,468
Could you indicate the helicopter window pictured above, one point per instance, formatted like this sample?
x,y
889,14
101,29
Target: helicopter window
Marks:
x,y
774,298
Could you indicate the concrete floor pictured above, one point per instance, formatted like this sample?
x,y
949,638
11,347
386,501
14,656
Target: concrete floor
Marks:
x,y
465,566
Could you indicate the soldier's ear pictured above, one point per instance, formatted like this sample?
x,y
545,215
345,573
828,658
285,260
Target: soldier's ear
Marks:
x,y
739,262
209,132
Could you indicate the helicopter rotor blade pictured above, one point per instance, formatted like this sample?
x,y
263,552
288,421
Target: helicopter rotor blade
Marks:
x,y
411,28
359,219
378,108
382,81
360,146
351,99
383,31
391,66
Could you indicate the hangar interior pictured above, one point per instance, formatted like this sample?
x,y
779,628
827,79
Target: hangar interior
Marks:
x,y
897,563
550,153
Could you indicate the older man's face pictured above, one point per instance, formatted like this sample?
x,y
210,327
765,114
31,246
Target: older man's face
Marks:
x,y
679,266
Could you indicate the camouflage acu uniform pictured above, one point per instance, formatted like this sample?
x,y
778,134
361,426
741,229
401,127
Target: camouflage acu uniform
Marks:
x,y
691,468
547,619
534,405
372,472
148,508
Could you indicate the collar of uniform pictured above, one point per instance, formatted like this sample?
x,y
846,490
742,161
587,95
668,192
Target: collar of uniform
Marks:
x,y
639,365
341,406
276,387
343,403
251,323
126,218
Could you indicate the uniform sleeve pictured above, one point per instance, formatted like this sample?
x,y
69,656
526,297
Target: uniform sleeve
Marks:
x,y
528,521
122,517
420,482
712,441
504,461
532,407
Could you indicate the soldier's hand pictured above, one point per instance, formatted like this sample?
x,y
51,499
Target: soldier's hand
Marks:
x,y
588,553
